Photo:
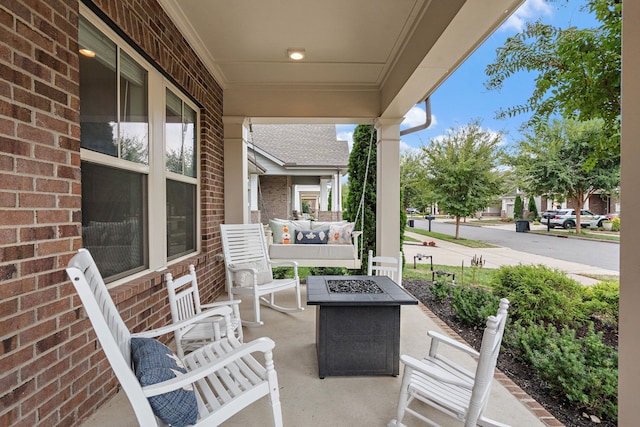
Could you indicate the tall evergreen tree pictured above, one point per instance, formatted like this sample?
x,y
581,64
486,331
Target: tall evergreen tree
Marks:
x,y
362,188
518,207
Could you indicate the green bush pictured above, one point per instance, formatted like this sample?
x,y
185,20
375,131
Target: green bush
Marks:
x,y
538,293
615,224
602,300
584,370
440,290
473,305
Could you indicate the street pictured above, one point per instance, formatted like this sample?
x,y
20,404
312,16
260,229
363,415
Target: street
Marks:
x,y
590,252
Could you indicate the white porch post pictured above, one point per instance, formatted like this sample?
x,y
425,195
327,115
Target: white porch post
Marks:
x,y
388,187
253,191
324,195
336,190
236,186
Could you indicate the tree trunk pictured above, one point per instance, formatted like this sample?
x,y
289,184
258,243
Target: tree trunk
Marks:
x,y
578,204
457,227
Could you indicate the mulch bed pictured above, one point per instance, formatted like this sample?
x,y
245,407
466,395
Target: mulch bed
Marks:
x,y
520,373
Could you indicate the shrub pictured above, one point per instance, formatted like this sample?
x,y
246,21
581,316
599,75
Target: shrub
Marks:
x,y
602,300
584,370
440,290
615,224
538,293
473,305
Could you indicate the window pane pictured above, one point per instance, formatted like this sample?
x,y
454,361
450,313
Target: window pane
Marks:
x,y
98,88
180,136
181,226
190,142
113,218
134,117
173,137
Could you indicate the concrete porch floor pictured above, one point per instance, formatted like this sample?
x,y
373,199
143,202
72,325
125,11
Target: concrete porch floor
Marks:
x,y
343,401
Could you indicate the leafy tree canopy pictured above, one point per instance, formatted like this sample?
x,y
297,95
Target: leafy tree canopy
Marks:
x,y
413,181
554,159
579,72
461,169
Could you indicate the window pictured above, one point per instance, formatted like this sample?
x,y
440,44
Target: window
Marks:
x,y
139,158
181,162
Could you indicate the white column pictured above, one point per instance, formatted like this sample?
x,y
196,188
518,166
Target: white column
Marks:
x,y
324,195
629,368
388,187
253,191
297,206
335,193
236,186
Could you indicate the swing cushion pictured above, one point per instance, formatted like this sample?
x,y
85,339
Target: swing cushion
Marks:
x,y
311,236
340,234
282,236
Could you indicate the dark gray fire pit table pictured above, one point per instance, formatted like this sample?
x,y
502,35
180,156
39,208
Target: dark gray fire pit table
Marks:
x,y
357,324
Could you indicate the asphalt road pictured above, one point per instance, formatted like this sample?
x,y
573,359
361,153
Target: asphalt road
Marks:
x,y
589,252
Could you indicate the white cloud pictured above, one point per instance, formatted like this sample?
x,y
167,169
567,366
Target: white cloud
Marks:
x,y
415,117
530,10
345,133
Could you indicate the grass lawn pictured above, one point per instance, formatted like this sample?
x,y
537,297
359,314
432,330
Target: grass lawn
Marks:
x,y
447,238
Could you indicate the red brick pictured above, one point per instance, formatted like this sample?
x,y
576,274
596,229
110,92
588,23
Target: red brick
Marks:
x,y
17,322
52,216
17,287
53,308
69,231
37,298
51,341
14,111
7,127
13,253
52,186
7,200
36,265
68,172
36,200
12,146
35,134
52,247
70,202
16,217
49,154
34,167
50,92
23,96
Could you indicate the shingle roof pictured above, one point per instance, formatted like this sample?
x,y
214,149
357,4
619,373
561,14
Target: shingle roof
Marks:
x,y
302,144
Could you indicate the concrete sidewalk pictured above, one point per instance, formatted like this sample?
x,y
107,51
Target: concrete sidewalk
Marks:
x,y
447,253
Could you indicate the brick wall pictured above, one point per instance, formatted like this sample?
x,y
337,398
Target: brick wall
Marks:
x,y
53,371
276,194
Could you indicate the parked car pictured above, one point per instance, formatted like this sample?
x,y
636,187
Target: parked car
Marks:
x,y
412,211
597,223
566,218
548,214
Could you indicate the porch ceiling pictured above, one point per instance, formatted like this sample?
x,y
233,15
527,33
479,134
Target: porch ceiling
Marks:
x,y
364,58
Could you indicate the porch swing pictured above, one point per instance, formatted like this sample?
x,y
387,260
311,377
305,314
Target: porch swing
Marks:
x,y
346,255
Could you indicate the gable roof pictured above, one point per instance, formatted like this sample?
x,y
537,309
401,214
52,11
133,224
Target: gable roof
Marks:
x,y
301,145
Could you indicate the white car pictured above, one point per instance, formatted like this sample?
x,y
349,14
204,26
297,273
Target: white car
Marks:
x,y
412,211
566,218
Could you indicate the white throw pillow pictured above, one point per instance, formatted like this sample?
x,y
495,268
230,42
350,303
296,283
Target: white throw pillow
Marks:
x,y
340,234
245,278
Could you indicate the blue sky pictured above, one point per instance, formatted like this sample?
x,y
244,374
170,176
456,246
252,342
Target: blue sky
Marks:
x,y
463,98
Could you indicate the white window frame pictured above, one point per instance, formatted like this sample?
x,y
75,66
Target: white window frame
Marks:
x,y
157,174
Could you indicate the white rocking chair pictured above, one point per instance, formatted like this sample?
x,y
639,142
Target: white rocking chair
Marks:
x,y
184,300
448,387
386,266
224,375
249,269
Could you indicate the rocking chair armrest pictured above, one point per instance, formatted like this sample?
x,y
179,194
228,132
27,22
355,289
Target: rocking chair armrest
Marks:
x,y
198,318
437,338
284,263
432,371
225,303
264,345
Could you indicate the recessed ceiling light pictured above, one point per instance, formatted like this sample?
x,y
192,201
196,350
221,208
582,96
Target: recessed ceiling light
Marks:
x,y
87,52
295,54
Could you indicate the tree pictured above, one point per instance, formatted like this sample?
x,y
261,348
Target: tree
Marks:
x,y
532,208
461,168
554,159
361,200
518,207
413,181
579,72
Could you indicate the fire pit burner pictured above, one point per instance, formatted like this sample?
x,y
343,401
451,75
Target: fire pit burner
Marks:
x,y
353,286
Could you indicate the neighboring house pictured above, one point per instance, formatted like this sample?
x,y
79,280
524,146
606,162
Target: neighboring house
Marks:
x,y
295,163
